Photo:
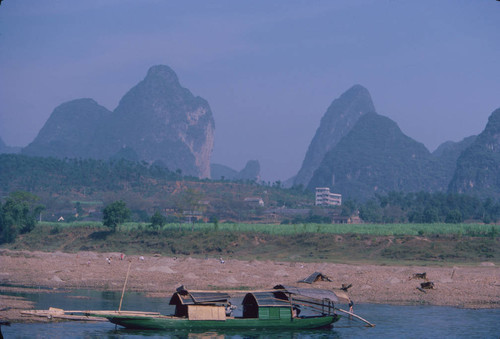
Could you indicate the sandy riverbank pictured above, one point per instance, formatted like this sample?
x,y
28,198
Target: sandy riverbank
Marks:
x,y
461,286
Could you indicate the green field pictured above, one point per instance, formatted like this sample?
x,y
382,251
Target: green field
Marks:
x,y
472,230
441,244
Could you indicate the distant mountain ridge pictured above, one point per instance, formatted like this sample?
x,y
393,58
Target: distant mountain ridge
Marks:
x,y
355,151
362,154
251,171
157,121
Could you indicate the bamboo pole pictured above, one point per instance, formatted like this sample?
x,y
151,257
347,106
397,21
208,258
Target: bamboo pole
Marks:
x,y
356,316
235,291
310,304
124,285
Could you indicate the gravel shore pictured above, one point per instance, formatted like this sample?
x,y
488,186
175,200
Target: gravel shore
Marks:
x,y
471,286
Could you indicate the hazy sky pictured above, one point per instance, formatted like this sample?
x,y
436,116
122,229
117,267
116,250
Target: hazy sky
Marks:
x,y
269,69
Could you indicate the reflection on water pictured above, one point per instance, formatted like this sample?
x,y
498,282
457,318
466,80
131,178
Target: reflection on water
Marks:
x,y
391,321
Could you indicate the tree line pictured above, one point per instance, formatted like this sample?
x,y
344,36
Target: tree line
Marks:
x,y
19,212
18,215
20,172
425,207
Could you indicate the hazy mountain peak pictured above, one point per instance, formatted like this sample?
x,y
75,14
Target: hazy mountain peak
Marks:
x,y
355,90
478,167
251,171
338,120
156,120
161,120
163,73
375,157
494,121
69,131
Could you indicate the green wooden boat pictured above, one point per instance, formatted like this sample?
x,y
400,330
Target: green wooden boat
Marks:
x,y
160,322
279,308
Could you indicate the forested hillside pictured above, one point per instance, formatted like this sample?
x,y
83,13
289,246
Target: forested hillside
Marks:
x,y
68,185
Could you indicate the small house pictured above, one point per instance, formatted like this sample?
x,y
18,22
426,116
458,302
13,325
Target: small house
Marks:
x,y
254,201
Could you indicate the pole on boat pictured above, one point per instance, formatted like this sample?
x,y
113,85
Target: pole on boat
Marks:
x,y
356,316
312,305
124,285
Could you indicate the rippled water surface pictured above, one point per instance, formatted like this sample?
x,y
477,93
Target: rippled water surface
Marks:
x,y
391,321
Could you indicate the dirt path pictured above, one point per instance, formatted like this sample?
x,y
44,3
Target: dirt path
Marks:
x,y
461,286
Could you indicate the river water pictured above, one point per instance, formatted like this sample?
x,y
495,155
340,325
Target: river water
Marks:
x,y
391,321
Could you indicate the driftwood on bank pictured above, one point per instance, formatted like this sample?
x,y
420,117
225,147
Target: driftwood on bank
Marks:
x,y
419,276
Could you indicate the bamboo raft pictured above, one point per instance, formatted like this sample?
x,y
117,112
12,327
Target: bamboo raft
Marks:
x,y
59,313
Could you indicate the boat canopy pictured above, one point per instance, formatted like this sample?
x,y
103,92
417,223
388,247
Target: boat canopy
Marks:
x,y
184,297
276,297
265,299
313,293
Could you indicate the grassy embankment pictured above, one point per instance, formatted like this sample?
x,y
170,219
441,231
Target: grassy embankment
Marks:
x,y
420,244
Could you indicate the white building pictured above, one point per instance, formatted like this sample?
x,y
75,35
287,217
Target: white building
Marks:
x,y
325,198
255,201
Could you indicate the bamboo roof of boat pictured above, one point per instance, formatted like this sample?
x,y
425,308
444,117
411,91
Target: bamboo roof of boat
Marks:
x,y
187,297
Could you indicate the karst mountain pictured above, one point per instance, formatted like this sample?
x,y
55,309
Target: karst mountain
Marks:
x,y
158,120
339,119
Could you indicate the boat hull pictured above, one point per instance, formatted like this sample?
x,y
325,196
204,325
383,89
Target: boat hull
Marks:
x,y
172,323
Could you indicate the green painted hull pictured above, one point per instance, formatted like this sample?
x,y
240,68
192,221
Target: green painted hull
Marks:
x,y
172,323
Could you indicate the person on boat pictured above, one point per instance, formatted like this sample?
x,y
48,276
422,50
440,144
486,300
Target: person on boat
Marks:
x,y
229,309
295,311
